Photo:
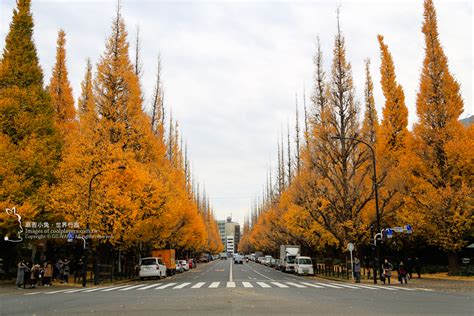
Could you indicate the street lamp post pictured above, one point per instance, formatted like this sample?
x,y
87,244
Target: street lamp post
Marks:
x,y
89,203
374,179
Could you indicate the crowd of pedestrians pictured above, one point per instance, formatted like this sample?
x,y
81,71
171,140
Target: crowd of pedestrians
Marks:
x,y
31,274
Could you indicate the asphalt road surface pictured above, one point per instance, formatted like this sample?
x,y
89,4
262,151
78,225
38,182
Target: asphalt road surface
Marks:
x,y
223,288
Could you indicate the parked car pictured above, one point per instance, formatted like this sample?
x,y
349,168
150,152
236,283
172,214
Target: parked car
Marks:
x,y
184,264
204,258
303,265
179,267
274,263
238,259
267,260
152,267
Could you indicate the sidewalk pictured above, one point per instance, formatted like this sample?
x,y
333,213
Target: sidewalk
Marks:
x,y
437,282
7,287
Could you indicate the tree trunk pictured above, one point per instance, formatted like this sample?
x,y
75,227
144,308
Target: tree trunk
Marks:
x,y
453,263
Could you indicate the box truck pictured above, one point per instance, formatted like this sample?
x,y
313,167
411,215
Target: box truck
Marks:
x,y
288,253
168,257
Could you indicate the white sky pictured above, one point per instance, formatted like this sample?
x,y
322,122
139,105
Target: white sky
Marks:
x,y
232,68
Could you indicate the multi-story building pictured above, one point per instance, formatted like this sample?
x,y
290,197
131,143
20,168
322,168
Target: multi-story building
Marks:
x,y
230,234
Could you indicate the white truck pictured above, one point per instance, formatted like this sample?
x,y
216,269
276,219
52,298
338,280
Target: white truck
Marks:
x,y
288,253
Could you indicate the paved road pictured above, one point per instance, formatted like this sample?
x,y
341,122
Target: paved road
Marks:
x,y
222,288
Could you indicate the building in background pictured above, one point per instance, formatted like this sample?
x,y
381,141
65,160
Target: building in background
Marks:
x,y
230,234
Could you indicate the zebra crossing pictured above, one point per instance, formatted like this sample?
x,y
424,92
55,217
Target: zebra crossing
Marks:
x,y
235,284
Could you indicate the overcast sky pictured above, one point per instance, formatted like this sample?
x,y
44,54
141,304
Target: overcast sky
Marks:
x,y
232,68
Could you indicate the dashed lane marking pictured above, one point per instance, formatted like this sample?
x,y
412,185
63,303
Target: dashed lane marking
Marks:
x,y
198,285
312,285
296,285
280,285
182,285
114,288
263,284
329,285
148,287
165,286
345,285
131,287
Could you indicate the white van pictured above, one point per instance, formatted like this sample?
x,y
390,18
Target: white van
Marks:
x,y
303,265
152,267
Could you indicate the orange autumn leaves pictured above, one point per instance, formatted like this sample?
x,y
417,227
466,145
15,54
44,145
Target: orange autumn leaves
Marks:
x,y
139,194
424,177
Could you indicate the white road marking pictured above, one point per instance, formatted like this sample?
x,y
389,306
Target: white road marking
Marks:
x,y
214,285
312,285
388,288
198,285
182,285
263,284
114,288
403,288
296,285
263,275
165,286
230,274
131,287
366,287
329,285
83,289
280,285
230,284
345,285
422,289
33,293
148,286
247,284
53,292
93,289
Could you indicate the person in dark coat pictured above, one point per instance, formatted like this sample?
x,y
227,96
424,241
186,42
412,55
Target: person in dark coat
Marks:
x,y
402,273
387,271
20,274
357,270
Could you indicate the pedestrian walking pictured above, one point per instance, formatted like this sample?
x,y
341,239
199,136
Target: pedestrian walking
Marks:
x,y
66,270
356,270
78,270
59,270
35,269
20,274
48,273
402,273
387,271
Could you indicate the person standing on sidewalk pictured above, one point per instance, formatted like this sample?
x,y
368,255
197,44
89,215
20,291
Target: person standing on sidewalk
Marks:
x,y
48,273
387,271
357,270
402,273
20,274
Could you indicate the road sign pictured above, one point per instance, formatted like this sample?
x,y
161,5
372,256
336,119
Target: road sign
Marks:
x,y
389,232
397,229
350,247
70,237
408,229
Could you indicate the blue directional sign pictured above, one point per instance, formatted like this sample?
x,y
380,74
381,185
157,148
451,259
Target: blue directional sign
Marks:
x,y
408,228
389,232
70,236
